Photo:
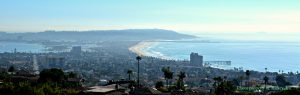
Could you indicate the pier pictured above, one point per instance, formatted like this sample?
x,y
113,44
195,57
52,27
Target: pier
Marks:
x,y
224,63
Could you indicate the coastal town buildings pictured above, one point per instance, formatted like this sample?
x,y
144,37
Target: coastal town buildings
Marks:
x,y
55,61
76,50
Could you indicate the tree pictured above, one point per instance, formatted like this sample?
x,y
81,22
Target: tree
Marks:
x,y
40,88
11,69
7,88
281,81
225,88
168,74
72,75
247,74
266,79
181,75
217,80
25,88
54,75
180,83
159,84
129,72
165,70
236,82
241,78
138,58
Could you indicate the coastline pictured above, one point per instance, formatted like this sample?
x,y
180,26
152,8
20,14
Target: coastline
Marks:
x,y
142,49
139,48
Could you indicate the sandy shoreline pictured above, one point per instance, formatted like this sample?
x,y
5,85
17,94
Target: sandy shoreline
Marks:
x,y
139,48
142,47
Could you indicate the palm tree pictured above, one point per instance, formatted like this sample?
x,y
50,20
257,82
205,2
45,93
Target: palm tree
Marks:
x,y
165,70
11,69
217,82
241,78
168,74
129,72
181,75
138,58
266,79
247,74
159,84
180,83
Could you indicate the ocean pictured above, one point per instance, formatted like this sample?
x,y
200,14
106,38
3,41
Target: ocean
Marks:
x,y
21,47
254,54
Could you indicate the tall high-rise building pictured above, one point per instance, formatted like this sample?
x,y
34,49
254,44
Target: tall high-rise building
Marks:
x,y
196,59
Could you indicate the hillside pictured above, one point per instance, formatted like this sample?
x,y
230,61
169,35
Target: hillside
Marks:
x,y
97,35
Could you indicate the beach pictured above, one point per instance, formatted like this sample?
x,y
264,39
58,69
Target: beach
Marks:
x,y
145,48
139,48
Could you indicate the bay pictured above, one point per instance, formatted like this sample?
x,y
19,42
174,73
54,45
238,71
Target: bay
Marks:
x,y
255,55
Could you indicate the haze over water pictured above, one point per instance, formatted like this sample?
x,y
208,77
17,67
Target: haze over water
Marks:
x,y
249,51
21,47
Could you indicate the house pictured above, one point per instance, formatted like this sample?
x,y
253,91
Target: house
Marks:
x,y
112,89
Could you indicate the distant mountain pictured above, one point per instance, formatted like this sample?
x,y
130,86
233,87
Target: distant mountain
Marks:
x,y
98,35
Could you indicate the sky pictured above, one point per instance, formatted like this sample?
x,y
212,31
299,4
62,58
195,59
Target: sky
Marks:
x,y
179,15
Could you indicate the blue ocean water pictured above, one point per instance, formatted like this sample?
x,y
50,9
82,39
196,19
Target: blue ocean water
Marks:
x,y
20,47
253,55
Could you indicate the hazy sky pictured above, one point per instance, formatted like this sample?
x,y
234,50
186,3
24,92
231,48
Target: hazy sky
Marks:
x,y
179,15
